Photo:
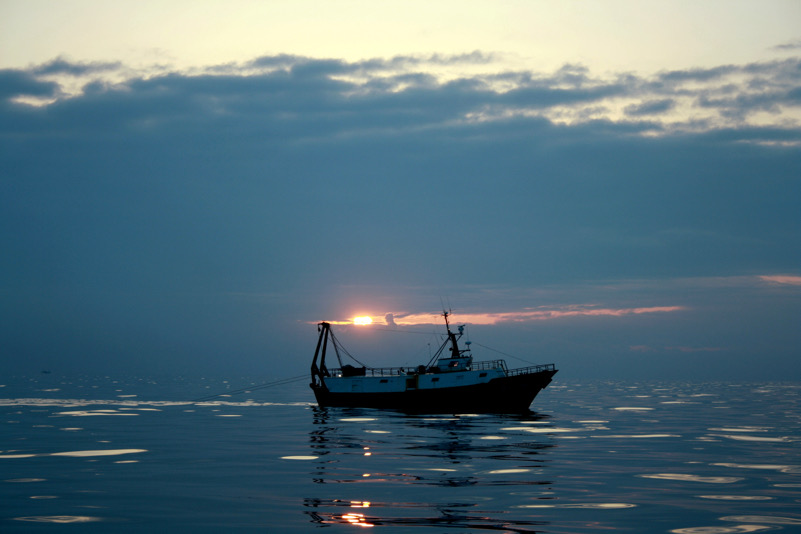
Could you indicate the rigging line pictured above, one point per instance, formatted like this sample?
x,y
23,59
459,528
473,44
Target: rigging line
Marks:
x,y
249,389
338,346
280,382
504,353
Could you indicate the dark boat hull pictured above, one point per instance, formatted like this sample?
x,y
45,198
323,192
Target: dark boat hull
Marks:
x,y
509,394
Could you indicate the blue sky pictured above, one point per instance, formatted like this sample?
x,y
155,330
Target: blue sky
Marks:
x,y
191,188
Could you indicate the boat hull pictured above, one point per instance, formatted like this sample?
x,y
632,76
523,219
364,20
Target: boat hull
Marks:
x,y
507,394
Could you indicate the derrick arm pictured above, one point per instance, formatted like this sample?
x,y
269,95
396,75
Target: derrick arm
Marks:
x,y
317,373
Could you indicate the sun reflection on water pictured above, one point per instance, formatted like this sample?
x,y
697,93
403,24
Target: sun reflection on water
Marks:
x,y
356,519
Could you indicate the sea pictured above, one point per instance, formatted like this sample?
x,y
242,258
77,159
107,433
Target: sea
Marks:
x,y
119,455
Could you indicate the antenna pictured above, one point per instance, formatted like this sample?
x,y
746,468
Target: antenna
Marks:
x,y
449,310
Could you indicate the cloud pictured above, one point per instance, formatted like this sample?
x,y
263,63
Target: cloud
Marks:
x,y
151,211
413,88
410,319
677,77
415,141
790,46
63,66
782,279
15,83
651,107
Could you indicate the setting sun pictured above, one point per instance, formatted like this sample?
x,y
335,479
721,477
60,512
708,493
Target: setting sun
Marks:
x,y
362,320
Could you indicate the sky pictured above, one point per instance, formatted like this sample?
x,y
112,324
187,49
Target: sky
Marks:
x,y
189,187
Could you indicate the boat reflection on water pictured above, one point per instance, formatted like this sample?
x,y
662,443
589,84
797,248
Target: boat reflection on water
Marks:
x,y
449,516
378,468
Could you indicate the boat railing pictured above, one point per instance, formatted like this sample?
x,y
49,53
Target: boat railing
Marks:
x,y
476,366
531,369
397,371
488,364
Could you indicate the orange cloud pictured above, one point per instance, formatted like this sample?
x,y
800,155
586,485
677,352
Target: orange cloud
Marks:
x,y
786,279
527,315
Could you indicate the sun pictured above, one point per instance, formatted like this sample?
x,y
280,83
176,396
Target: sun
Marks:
x,y
364,320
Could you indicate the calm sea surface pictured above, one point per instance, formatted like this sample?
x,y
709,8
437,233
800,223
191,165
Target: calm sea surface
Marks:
x,y
105,455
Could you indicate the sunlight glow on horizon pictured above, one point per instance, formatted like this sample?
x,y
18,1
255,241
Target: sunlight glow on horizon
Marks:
x,y
522,316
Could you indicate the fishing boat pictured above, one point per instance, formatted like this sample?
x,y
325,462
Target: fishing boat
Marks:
x,y
451,383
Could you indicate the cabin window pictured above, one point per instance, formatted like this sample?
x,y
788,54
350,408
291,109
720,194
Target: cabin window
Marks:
x,y
384,380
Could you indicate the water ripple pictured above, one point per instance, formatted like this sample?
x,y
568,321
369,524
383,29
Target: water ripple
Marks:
x,y
770,519
592,506
736,497
78,454
692,478
543,429
59,519
636,436
722,530
780,439
769,467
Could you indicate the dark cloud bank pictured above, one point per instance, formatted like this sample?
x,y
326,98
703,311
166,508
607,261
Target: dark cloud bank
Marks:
x,y
194,223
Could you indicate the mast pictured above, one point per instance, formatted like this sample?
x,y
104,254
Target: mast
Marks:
x,y
455,352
